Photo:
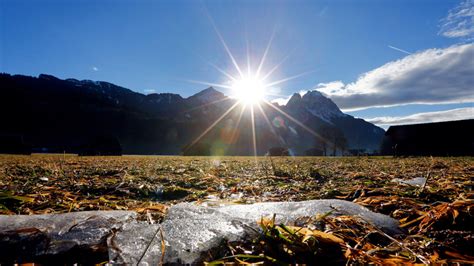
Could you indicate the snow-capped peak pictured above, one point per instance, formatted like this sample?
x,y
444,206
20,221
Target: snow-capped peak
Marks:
x,y
317,104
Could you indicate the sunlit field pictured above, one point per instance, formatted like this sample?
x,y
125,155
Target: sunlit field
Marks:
x,y
437,215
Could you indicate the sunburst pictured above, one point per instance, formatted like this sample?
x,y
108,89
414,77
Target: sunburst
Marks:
x,y
251,90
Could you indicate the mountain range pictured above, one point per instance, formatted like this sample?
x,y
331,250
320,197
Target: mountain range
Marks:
x,y
56,115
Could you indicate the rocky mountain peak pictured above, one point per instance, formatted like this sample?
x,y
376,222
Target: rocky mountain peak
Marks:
x,y
209,91
294,101
313,95
315,103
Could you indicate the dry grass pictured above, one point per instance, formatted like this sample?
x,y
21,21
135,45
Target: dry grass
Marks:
x,y
437,217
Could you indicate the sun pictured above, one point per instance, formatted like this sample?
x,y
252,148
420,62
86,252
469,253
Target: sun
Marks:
x,y
249,89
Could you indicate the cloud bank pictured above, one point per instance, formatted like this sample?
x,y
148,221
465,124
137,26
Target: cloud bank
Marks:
x,y
430,76
439,116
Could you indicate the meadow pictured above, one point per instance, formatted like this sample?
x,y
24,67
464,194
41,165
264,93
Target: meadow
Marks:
x,y
437,215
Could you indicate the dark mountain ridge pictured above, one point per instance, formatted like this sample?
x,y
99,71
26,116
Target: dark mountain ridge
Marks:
x,y
57,115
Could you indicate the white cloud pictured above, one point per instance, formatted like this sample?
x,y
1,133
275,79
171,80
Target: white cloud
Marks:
x,y
273,91
94,68
460,21
284,100
331,88
281,101
439,116
430,76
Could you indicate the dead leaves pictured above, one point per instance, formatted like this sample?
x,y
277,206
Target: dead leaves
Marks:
x,y
301,234
432,238
439,221
444,215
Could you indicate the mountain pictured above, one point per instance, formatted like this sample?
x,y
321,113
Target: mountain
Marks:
x,y
57,115
314,103
209,95
359,133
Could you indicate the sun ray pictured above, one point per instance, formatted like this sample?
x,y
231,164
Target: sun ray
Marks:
x,y
216,67
267,120
210,84
289,78
213,125
234,133
265,53
265,117
254,137
277,65
225,45
222,71
248,56
294,120
207,104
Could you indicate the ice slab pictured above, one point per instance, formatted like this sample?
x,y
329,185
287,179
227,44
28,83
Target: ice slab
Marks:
x,y
417,181
135,243
191,233
55,234
290,211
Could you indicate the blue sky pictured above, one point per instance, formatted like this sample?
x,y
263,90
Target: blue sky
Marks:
x,y
158,46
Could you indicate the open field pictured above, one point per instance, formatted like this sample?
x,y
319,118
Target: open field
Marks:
x,y
438,217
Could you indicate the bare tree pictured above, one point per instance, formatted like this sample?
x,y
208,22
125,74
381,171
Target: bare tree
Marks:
x,y
342,143
339,141
324,139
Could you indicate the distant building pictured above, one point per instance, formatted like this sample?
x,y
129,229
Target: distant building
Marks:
x,y
453,138
14,144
